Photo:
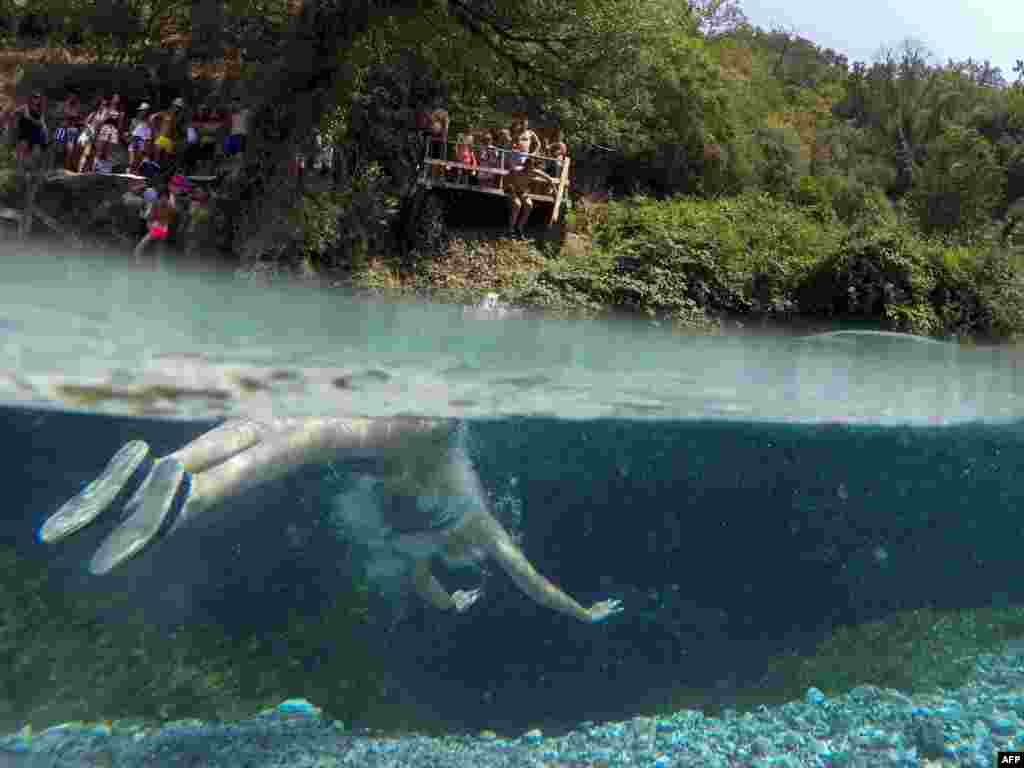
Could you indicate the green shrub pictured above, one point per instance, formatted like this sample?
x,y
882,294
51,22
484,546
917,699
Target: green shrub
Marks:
x,y
781,160
875,172
688,259
885,272
980,294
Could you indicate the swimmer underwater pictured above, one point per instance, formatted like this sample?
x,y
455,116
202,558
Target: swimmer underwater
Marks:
x,y
417,459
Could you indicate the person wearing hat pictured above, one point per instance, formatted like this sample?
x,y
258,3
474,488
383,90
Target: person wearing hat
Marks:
x,y
141,137
166,127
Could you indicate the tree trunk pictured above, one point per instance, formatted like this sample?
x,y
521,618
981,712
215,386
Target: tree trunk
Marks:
x,y
303,78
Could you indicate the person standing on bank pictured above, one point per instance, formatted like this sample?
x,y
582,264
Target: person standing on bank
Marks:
x,y
30,132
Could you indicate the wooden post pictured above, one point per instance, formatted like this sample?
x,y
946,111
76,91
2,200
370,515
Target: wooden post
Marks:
x,y
562,181
425,173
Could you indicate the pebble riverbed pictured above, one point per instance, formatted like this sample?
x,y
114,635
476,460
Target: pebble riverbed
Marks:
x,y
868,726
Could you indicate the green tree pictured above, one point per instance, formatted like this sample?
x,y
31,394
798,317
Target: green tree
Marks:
x,y
960,184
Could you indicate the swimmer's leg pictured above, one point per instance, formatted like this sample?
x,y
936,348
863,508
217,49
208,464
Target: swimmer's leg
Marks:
x,y
430,589
293,443
149,505
87,505
145,522
290,446
209,449
220,444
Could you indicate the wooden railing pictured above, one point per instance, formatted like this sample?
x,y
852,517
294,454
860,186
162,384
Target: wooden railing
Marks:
x,y
441,169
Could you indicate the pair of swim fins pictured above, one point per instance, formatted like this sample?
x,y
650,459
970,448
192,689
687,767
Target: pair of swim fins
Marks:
x,y
147,508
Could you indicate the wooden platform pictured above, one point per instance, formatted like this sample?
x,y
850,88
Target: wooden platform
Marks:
x,y
436,179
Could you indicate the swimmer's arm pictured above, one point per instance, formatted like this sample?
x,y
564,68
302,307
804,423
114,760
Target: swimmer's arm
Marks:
x,y
495,540
429,588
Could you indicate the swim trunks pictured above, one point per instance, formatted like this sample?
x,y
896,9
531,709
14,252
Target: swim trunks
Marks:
x,y
234,144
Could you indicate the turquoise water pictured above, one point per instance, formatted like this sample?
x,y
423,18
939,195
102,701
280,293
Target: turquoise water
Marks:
x,y
744,496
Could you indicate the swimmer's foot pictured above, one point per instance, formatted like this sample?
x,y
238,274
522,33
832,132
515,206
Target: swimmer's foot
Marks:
x,y
81,510
131,536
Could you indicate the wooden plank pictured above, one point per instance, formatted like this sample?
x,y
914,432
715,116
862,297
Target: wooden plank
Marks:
x,y
483,190
562,182
452,165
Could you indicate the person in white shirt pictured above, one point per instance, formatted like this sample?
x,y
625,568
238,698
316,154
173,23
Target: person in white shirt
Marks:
x,y
141,137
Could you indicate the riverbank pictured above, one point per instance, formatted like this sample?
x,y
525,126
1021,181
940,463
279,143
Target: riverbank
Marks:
x,y
748,262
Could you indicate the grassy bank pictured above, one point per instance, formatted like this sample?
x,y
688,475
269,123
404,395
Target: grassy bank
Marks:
x,y
707,264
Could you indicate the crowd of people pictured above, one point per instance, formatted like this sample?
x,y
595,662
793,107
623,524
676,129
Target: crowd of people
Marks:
x,y
177,142
513,159
110,137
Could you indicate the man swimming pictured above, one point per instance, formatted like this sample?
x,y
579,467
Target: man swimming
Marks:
x,y
417,462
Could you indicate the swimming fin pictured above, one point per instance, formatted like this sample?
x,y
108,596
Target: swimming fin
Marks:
x,y
87,505
131,536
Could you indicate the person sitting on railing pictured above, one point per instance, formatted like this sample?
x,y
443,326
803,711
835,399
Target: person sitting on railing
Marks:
x,y
437,147
522,171
517,185
556,152
489,158
465,155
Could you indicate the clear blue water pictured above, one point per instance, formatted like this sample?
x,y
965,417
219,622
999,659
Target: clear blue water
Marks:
x,y
742,495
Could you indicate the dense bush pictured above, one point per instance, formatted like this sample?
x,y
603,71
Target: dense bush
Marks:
x,y
696,262
981,294
739,255
884,272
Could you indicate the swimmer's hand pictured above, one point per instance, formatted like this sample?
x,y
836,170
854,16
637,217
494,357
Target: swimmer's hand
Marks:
x,y
463,599
601,611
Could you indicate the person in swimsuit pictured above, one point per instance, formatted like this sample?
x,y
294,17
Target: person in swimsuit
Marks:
x,y
437,506
66,137
158,228
87,138
141,137
167,127
31,133
109,134
522,171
